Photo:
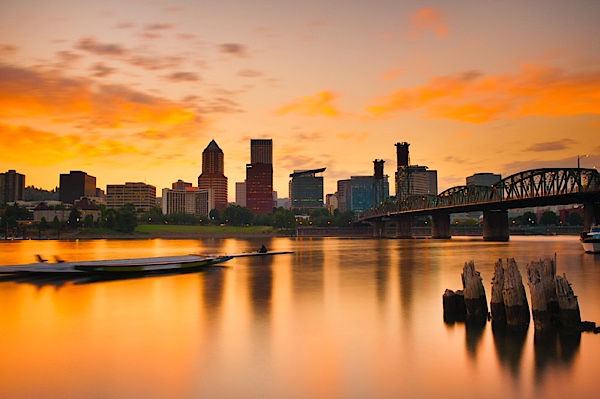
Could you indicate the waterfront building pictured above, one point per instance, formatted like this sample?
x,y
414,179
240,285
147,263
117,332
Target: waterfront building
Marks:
x,y
306,189
343,192
358,193
86,207
240,193
213,174
141,195
192,201
259,177
75,185
483,179
12,187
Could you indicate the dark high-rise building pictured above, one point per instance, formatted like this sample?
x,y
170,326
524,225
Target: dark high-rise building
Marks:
x,y
12,187
259,177
306,189
213,174
75,185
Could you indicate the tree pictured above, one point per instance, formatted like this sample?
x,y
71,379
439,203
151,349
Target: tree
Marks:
x,y
549,218
236,215
74,217
344,219
88,221
126,221
575,219
529,218
283,218
153,216
214,216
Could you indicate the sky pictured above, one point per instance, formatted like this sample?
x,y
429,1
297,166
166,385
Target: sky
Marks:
x,y
134,90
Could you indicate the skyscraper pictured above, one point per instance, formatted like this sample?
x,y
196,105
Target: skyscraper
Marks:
x,y
259,177
212,176
306,189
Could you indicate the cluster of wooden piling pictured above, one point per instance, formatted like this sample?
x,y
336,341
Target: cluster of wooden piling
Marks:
x,y
553,302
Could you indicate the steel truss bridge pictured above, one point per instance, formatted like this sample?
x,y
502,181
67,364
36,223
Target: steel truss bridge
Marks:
x,y
536,187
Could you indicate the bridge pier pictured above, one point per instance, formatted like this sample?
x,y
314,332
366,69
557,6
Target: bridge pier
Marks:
x,y
589,215
495,225
378,229
440,226
403,228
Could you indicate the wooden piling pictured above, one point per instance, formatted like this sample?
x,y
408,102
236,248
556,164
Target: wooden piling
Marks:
x,y
449,302
475,300
497,302
544,304
515,300
568,305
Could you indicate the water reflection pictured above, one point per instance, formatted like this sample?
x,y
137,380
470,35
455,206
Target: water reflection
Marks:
x,y
554,348
509,343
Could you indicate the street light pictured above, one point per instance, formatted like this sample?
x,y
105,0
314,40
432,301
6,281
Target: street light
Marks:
x,y
578,158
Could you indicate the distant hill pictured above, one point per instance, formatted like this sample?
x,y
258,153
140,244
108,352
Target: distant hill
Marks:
x,y
38,194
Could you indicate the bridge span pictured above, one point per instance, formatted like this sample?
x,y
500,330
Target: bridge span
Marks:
x,y
531,188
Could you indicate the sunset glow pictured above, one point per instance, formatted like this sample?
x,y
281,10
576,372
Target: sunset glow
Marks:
x,y
133,92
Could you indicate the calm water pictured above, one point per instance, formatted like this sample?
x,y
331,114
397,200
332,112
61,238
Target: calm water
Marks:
x,y
339,318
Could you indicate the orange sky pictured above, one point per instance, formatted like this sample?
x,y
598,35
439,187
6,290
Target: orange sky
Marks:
x,y
131,91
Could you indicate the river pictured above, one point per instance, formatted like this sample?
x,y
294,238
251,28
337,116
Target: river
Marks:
x,y
338,318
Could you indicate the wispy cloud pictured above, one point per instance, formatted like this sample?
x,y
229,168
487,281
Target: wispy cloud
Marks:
x,y
91,45
235,49
183,77
428,19
551,145
536,90
321,104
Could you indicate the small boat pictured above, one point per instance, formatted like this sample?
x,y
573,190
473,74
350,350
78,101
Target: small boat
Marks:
x,y
158,264
591,240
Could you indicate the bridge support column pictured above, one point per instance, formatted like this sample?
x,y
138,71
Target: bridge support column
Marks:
x,y
378,229
589,215
403,228
440,226
495,225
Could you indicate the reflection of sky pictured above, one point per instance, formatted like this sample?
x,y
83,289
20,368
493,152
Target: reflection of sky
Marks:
x,y
102,87
338,318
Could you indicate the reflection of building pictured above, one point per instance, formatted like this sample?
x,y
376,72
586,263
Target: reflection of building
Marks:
x,y
212,176
259,177
76,185
141,195
12,187
191,201
306,189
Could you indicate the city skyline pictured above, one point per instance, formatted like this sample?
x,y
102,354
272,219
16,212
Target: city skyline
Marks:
x,y
131,92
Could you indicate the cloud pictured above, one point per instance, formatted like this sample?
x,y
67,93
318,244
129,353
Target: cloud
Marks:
x,y
183,77
7,50
428,19
321,104
90,45
158,26
392,74
249,73
235,49
551,145
471,96
32,94
99,70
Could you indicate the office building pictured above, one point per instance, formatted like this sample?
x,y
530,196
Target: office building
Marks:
x,y
141,195
483,179
240,193
306,190
191,201
181,185
76,185
12,187
413,179
259,177
213,174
